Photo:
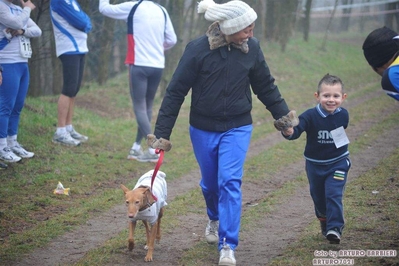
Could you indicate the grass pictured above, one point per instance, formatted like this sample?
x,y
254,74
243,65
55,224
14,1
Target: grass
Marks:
x,y
31,215
371,223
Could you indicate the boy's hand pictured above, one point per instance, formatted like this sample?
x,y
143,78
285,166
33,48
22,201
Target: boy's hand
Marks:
x,y
286,123
288,132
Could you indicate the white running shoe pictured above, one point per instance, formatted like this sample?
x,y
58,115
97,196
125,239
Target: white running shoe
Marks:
x,y
147,157
74,134
212,232
8,156
65,139
134,154
21,152
227,256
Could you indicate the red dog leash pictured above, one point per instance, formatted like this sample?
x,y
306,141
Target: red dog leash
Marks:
x,y
157,166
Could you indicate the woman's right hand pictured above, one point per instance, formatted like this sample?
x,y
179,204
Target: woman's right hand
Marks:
x,y
28,4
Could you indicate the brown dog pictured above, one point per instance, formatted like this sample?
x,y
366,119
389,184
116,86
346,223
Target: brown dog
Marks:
x,y
142,206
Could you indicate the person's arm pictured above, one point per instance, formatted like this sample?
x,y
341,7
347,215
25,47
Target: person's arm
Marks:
x,y
170,35
15,22
32,30
297,131
178,88
120,11
72,13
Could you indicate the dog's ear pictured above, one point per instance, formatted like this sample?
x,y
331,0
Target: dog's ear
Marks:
x,y
125,189
149,196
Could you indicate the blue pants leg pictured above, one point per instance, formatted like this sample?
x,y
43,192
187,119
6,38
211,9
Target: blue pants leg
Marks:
x,y
13,92
327,185
221,157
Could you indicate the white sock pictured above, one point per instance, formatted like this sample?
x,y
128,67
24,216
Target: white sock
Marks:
x,y
3,143
61,130
69,128
12,141
136,146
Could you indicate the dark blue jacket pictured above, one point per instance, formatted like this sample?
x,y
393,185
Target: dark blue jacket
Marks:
x,y
317,123
221,82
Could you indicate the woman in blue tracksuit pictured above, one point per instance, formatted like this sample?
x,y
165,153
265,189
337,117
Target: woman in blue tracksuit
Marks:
x,y
71,25
326,154
220,68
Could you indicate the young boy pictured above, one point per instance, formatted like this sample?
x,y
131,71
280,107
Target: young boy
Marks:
x,y
326,154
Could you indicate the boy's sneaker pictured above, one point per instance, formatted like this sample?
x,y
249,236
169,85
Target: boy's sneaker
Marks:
x,y
8,156
212,232
78,136
333,236
227,256
323,227
3,166
65,139
133,154
21,152
147,157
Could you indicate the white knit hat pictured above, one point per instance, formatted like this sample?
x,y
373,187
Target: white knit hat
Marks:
x,y
232,16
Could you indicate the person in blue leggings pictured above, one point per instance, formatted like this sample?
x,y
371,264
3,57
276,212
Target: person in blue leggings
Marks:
x,y
16,30
326,154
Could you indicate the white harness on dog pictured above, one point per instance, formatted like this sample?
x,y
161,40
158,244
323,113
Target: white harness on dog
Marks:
x,y
159,189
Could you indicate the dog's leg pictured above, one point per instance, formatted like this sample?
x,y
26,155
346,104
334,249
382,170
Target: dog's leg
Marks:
x,y
147,233
158,237
153,233
132,227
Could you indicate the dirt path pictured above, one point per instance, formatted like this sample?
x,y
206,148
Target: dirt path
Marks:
x,y
261,244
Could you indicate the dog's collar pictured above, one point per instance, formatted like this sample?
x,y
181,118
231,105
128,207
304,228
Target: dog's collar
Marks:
x,y
146,205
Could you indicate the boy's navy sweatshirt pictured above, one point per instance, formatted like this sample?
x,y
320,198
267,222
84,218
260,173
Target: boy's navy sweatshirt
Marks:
x,y
317,123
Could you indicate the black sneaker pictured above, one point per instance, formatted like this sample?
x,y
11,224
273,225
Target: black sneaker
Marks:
x,y
333,236
3,166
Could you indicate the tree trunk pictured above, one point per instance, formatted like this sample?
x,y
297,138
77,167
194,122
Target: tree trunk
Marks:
x,y
389,18
176,12
323,46
344,23
306,20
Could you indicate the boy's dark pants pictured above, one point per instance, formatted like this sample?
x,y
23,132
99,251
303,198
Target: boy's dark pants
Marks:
x,y
327,185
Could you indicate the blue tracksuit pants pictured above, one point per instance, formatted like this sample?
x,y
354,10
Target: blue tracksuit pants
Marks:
x,y
221,157
13,92
327,185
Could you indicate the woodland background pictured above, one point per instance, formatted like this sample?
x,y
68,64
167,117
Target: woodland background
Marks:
x,y
278,21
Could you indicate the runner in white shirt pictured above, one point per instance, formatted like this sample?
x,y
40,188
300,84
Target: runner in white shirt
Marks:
x,y
149,33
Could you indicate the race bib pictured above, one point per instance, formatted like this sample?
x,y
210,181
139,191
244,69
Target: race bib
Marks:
x,y
339,137
25,48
